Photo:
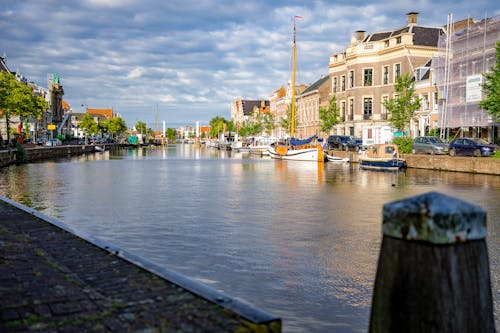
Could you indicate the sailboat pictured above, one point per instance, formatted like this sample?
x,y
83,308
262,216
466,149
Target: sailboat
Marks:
x,y
300,150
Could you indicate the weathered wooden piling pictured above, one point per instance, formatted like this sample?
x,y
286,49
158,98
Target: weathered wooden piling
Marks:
x,y
433,272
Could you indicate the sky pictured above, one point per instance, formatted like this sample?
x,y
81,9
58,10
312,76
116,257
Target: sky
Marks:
x,y
186,61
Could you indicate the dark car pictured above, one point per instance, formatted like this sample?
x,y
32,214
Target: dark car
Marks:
x,y
472,147
337,142
429,145
354,144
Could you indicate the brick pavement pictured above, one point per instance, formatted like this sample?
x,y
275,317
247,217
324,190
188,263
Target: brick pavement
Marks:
x,y
54,281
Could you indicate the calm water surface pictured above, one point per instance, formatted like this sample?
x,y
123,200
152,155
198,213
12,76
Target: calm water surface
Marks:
x,y
296,239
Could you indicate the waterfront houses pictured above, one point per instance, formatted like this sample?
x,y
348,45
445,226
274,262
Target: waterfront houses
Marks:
x,y
364,74
309,102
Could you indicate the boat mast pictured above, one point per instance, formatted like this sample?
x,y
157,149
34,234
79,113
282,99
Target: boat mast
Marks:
x,y
294,59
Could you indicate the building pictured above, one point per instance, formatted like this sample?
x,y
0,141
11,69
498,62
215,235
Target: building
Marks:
x,y
242,109
363,75
426,118
279,104
459,72
309,102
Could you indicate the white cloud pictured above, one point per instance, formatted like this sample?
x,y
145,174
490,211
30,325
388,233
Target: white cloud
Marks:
x,y
136,73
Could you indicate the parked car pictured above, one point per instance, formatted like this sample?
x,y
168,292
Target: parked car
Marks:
x,y
429,145
41,141
53,142
354,144
472,147
337,142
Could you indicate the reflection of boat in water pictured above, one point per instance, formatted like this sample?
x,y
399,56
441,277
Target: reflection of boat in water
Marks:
x,y
383,157
331,158
294,149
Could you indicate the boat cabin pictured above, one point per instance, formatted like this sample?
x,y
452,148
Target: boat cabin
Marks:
x,y
382,151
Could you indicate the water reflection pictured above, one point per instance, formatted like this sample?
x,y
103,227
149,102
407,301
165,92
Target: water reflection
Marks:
x,y
300,240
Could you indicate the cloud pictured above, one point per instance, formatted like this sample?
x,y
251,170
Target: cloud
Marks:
x,y
136,73
191,58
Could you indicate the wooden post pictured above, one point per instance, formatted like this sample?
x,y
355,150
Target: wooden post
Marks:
x,y
433,273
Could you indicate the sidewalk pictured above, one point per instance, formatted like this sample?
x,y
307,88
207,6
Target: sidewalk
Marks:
x,y
51,280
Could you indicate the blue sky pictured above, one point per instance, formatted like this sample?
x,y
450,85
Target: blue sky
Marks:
x,y
189,59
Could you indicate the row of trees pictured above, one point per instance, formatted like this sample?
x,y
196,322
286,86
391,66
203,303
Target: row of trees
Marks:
x,y
112,126
17,98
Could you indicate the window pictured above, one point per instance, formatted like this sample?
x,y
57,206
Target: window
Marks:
x,y
397,71
334,84
386,43
351,79
368,77
351,109
386,75
383,113
342,110
398,40
342,83
425,101
367,108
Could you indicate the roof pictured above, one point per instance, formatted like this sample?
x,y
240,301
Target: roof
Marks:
x,y
249,105
65,105
316,85
422,36
108,113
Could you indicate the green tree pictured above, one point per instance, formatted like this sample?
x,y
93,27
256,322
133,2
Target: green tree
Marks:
x,y
402,107
141,127
491,88
116,126
171,135
88,125
329,116
17,98
219,124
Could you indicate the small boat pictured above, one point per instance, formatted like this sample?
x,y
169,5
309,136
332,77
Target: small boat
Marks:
x,y
99,148
331,158
382,157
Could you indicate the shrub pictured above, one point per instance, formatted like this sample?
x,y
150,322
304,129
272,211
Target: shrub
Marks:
x,y
404,144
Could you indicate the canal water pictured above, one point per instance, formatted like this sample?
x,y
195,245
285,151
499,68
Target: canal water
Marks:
x,y
297,239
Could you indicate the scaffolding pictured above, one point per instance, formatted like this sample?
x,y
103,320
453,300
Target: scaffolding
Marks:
x,y
465,52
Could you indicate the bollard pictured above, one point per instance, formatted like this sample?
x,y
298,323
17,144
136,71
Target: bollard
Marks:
x,y
433,272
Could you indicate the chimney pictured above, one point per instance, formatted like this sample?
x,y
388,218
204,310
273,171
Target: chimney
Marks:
x,y
360,35
412,18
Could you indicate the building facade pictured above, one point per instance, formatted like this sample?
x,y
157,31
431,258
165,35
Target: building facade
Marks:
x,y
363,76
309,102
459,72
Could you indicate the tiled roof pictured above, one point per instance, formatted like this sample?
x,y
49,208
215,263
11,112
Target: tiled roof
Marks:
x,y
108,113
316,84
248,106
422,36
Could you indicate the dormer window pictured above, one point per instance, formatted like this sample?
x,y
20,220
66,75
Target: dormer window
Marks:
x,y
398,40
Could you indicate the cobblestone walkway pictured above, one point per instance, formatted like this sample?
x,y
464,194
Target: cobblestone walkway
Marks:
x,y
53,281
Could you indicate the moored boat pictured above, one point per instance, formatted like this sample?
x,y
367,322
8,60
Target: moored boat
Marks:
x,y
294,149
331,158
382,157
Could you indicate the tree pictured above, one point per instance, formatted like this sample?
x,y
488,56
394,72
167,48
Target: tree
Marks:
x,y
329,116
402,107
88,125
17,98
171,135
219,124
116,126
141,127
492,88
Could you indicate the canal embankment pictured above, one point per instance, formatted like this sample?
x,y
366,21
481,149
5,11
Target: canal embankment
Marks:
x,y
56,279
481,165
